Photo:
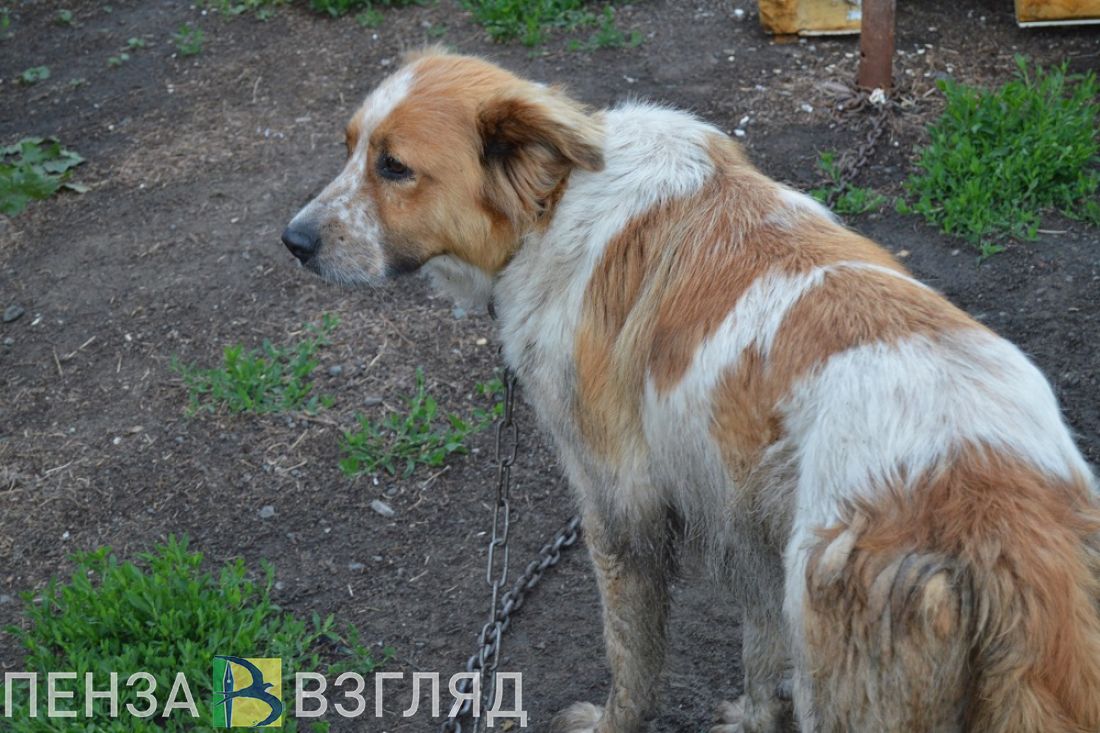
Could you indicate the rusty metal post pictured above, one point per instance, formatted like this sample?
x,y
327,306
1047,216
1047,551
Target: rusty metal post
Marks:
x,y
876,44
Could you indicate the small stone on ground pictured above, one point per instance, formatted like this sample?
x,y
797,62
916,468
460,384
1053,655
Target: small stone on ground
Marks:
x,y
382,508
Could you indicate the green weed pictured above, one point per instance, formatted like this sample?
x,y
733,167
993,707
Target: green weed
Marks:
x,y
189,40
998,160
163,615
269,379
132,44
529,20
34,74
262,9
34,168
607,35
64,17
369,18
5,23
337,8
851,200
415,436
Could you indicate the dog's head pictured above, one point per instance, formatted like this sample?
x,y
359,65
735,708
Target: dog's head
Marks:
x,y
449,159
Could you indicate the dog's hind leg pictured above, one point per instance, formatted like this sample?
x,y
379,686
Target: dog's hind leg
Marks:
x,y
765,706
633,578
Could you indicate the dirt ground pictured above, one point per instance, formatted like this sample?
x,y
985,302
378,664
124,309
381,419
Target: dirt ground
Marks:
x,y
195,164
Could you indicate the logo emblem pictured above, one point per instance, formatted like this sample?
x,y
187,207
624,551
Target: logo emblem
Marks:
x,y
248,692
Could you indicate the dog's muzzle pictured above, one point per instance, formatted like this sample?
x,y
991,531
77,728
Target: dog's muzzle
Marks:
x,y
303,240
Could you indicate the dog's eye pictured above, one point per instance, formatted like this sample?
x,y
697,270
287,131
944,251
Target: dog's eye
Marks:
x,y
393,169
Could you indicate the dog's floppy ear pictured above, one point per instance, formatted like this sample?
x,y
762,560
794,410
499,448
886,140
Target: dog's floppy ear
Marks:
x,y
529,144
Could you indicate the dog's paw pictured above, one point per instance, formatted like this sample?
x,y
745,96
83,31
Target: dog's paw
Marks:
x,y
580,717
730,716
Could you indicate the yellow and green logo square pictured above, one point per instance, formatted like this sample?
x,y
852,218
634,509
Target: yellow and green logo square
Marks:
x,y
248,692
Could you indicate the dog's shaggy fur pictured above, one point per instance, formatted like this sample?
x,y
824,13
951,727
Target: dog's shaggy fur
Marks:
x,y
888,487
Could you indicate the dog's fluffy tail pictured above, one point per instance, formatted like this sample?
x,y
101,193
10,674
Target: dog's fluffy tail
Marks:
x,y
1037,627
974,606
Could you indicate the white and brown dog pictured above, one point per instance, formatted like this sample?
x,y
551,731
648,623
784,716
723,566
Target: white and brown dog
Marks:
x,y
888,487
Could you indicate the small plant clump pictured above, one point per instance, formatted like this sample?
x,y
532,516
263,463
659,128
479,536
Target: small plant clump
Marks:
x,y
414,436
262,9
132,44
164,615
998,160
530,21
34,74
369,18
189,40
851,200
269,379
34,168
608,35
338,8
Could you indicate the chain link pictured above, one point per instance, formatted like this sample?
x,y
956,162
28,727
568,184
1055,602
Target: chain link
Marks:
x,y
853,161
501,608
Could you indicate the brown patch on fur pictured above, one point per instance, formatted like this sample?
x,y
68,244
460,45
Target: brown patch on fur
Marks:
x,y
670,278
709,277
745,418
969,600
854,307
850,308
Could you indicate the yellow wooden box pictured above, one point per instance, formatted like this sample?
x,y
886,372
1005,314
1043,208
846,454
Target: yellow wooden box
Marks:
x,y
1057,12
810,17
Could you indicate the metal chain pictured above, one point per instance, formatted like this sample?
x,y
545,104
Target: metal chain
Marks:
x,y
501,608
853,161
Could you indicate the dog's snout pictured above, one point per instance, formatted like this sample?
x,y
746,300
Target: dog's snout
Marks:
x,y
303,240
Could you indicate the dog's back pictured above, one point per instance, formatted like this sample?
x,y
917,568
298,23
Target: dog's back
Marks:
x,y
730,351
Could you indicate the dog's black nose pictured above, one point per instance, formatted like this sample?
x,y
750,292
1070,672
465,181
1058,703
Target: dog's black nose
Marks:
x,y
303,240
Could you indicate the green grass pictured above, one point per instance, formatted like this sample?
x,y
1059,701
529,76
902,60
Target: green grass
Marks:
x,y
34,168
369,18
262,9
269,379
415,436
163,614
608,35
64,17
999,160
851,200
531,21
188,40
5,23
337,8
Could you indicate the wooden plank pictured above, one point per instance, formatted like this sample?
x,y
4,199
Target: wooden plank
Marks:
x,y
1039,11
810,17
